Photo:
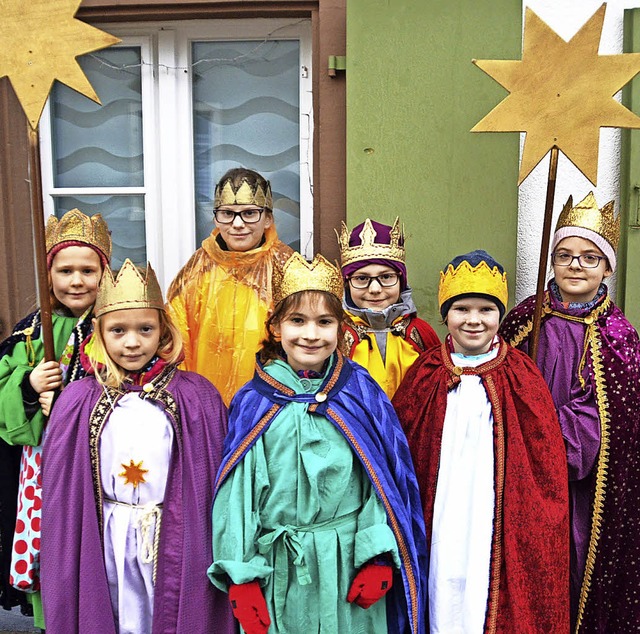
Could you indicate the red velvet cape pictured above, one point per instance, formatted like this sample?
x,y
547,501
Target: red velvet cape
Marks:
x,y
529,580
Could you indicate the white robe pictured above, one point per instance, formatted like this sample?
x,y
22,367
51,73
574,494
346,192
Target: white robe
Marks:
x,y
139,431
463,509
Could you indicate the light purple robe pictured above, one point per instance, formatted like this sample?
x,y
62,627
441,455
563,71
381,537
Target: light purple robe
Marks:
x,y
76,597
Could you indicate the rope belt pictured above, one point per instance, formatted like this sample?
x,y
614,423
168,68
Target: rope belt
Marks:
x,y
151,514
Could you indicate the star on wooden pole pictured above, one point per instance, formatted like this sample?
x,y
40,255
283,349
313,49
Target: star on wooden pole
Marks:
x,y
39,43
561,94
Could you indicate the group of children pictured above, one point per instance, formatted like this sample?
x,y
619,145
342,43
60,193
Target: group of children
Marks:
x,y
490,494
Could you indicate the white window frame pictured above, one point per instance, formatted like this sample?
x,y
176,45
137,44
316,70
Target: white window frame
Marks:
x,y
169,188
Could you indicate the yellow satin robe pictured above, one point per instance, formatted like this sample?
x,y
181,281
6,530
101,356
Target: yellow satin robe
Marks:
x,y
219,302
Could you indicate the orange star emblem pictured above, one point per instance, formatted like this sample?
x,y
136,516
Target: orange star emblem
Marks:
x,y
133,473
561,94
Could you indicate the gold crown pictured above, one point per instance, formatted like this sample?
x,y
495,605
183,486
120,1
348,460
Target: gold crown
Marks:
x,y
76,226
299,275
226,194
587,215
132,288
468,279
368,247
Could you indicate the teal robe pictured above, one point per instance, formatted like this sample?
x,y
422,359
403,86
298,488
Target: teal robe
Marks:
x,y
299,514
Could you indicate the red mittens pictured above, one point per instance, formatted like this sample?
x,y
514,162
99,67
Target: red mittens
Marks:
x,y
372,582
249,607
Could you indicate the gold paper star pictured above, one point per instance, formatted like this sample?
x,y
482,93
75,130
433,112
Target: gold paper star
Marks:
x,y
561,94
39,41
134,473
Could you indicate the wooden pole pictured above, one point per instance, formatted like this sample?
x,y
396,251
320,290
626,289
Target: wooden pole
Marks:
x,y
544,253
37,222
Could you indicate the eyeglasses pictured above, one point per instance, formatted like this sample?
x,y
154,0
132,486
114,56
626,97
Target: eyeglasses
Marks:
x,y
386,280
248,216
585,260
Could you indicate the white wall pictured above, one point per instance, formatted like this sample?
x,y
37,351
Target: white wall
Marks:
x,y
566,17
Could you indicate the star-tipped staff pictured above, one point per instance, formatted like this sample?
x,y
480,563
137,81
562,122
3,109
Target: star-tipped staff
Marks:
x,y
39,43
561,94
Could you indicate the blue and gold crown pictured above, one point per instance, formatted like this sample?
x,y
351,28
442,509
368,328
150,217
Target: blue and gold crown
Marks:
x,y
473,273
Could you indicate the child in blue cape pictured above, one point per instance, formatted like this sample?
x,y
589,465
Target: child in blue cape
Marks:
x,y
317,518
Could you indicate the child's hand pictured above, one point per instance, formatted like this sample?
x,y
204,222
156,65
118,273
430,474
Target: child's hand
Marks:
x,y
47,375
249,607
46,401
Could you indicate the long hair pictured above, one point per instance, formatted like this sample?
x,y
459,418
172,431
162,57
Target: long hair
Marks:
x,y
108,372
271,346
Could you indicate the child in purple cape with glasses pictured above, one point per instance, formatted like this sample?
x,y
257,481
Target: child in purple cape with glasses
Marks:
x,y
589,355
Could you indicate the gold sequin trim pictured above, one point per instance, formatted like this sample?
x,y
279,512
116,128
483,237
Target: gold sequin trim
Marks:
x,y
601,471
97,421
417,339
496,546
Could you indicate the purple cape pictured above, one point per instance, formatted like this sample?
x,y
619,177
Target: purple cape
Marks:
x,y
599,414
76,593
360,410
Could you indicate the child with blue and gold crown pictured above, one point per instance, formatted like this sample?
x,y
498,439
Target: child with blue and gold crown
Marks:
x,y
490,462
317,520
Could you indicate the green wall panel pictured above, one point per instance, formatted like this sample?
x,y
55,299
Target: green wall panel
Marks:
x,y
628,269
412,97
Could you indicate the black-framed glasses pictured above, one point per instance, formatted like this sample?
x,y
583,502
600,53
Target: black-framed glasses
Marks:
x,y
248,216
386,280
585,260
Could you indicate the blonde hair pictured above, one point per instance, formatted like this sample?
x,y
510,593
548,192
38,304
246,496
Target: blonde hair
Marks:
x,y
109,373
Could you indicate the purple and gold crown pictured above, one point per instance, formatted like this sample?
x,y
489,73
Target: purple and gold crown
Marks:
x,y
466,278
245,194
370,249
587,216
299,275
131,288
75,226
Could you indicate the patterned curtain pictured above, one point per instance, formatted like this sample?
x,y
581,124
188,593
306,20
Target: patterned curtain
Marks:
x,y
246,113
101,146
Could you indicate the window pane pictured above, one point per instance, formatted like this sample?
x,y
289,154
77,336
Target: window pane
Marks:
x,y
125,217
246,113
100,146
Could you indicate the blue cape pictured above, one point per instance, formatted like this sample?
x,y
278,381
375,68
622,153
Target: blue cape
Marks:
x,y
352,401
